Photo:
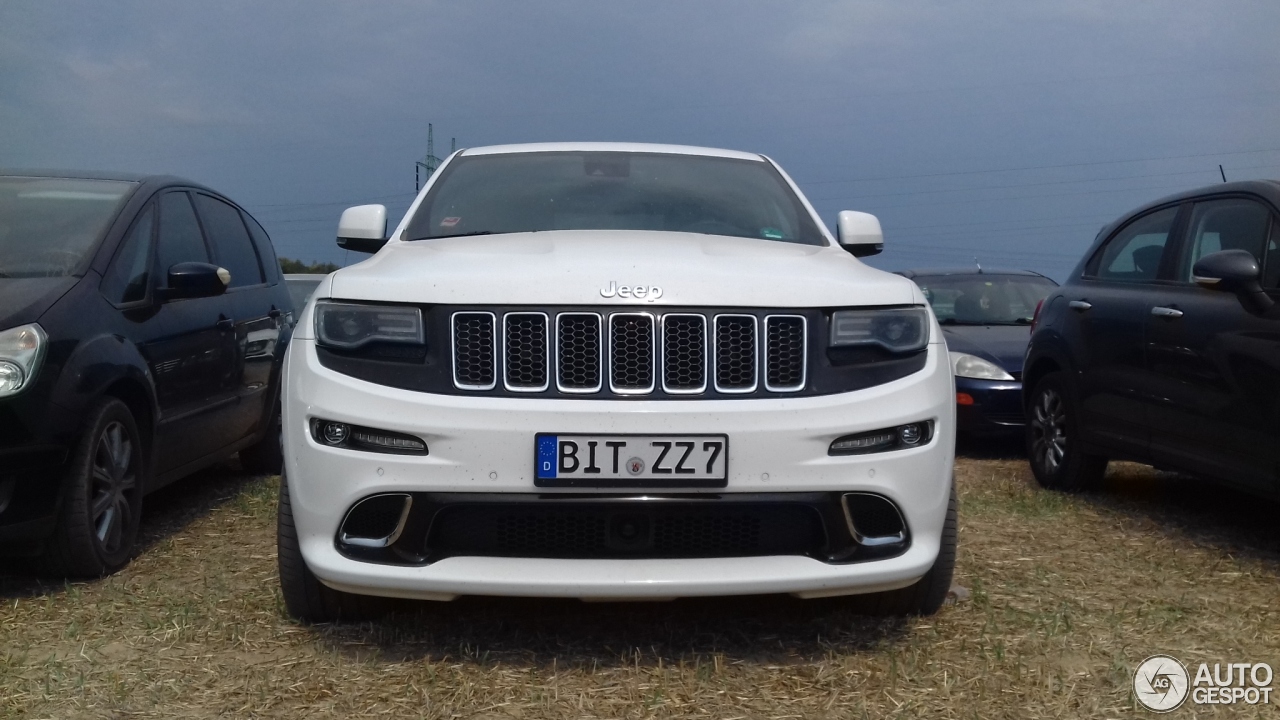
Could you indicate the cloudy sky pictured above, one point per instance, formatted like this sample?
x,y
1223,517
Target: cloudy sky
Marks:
x,y
1004,130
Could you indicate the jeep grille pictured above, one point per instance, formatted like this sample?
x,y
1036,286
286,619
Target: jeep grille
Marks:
x,y
629,353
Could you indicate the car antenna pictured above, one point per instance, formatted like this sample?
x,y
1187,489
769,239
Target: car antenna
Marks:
x,y
975,262
1223,173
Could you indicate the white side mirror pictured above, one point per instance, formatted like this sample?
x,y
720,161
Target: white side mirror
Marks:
x,y
860,233
363,228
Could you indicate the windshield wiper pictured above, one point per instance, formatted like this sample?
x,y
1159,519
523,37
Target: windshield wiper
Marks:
x,y
465,234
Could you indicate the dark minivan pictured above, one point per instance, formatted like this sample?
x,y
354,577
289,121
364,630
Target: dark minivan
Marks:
x,y
143,322
1164,346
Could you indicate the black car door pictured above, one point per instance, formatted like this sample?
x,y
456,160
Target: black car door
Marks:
x,y
257,323
1104,323
193,357
1214,364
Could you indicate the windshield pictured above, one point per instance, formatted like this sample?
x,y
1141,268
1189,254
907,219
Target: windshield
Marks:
x,y
48,224
530,192
982,299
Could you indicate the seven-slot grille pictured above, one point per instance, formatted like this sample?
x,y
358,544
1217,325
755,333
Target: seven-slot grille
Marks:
x,y
629,353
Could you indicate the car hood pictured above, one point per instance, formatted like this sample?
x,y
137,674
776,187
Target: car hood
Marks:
x,y
579,267
1004,345
24,300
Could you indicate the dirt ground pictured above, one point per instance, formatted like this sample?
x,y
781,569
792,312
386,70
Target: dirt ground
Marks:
x,y
1067,595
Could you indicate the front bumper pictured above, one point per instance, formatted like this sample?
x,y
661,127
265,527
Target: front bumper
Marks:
x,y
33,454
486,445
996,407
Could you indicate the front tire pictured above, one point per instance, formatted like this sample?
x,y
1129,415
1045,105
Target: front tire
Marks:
x,y
927,595
102,504
306,599
1053,439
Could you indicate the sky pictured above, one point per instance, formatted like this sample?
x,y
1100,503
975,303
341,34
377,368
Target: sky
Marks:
x,y
1002,130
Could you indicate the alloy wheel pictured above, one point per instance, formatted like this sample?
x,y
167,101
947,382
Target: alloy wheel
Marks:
x,y
115,480
1049,430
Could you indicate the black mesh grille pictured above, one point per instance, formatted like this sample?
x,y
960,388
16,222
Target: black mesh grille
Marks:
x,y
591,530
578,351
631,352
784,353
376,517
735,352
525,350
684,355
473,364
724,533
873,516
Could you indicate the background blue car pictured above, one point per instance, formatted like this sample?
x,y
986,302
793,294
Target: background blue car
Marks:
x,y
986,318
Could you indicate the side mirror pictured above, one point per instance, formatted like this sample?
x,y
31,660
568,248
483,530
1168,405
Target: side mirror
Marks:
x,y
1233,271
363,228
859,233
195,280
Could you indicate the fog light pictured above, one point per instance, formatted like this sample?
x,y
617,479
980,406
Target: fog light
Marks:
x,y
336,433
964,399
910,434
895,438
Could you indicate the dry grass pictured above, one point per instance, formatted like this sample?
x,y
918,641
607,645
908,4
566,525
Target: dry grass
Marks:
x,y
1068,594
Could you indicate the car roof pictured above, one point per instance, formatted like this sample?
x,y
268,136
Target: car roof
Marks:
x,y
610,147
1268,189
933,272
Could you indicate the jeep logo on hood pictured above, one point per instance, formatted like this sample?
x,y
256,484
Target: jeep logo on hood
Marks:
x,y
639,292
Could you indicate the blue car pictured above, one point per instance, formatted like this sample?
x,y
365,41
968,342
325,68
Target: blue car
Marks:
x,y
986,318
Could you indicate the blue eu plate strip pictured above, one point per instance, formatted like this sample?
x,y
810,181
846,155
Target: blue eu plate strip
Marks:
x,y
547,448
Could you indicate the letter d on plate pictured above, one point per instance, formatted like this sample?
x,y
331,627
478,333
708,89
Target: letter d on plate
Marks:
x,y
548,449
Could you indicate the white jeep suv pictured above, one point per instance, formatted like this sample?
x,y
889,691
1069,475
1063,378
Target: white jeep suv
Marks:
x,y
614,371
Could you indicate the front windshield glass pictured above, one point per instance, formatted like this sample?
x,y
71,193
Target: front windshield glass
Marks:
x,y
531,192
982,299
47,225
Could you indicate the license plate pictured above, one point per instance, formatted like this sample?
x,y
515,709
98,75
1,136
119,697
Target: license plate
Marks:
x,y
631,460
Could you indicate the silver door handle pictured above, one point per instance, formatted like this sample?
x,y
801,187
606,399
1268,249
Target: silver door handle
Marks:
x,y
1080,305
1166,312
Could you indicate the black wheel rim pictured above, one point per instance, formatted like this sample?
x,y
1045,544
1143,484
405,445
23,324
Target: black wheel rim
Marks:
x,y
115,480
1049,430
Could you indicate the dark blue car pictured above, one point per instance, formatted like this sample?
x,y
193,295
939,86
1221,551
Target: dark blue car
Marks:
x,y
986,319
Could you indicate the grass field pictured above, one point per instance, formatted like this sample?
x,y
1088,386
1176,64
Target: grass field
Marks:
x,y
1067,595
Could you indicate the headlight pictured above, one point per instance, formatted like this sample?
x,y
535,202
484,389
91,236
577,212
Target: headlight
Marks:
x,y
972,366
898,330
349,325
21,350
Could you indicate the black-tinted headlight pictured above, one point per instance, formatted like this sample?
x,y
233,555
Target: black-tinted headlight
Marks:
x,y
352,325
899,330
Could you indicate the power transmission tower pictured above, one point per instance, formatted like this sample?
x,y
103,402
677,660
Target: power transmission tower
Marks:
x,y
423,168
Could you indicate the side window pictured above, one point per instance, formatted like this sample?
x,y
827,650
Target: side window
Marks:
x,y
1271,274
266,252
231,244
1135,252
128,276
1228,224
180,237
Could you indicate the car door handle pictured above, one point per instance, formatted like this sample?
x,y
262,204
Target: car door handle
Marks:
x,y
1080,305
225,323
1166,312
